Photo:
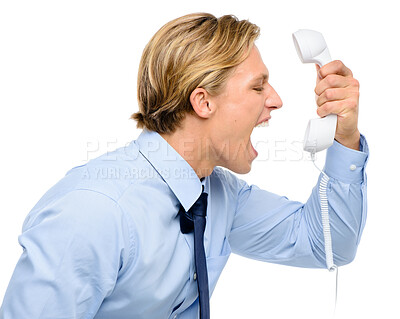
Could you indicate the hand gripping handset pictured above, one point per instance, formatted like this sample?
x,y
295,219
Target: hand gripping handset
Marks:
x,y
311,48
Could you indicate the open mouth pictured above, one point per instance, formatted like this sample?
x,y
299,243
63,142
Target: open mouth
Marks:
x,y
263,124
258,136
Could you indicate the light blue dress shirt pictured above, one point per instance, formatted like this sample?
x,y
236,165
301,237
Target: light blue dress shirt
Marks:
x,y
105,241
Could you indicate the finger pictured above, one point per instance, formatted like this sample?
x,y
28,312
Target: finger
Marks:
x,y
333,107
335,67
335,81
334,94
318,79
338,107
317,67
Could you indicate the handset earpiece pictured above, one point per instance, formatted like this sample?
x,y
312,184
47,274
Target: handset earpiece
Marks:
x,y
311,48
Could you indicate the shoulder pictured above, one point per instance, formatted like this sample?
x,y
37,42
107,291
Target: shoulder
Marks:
x,y
108,175
77,210
86,199
111,173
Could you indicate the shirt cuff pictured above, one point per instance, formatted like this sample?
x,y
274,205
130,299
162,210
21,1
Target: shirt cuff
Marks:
x,y
345,164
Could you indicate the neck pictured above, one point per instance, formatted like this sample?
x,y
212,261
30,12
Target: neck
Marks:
x,y
193,145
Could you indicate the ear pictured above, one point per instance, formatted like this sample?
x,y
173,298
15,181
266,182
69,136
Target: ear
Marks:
x,y
200,100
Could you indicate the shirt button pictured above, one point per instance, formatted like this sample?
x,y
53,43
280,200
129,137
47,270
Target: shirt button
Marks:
x,y
175,316
194,276
353,167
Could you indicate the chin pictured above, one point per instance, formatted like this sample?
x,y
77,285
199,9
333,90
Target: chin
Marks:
x,y
239,161
245,171
240,169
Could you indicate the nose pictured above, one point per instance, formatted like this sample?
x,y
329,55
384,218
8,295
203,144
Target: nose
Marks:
x,y
273,100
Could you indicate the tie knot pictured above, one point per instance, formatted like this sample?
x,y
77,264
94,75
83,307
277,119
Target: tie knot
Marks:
x,y
198,210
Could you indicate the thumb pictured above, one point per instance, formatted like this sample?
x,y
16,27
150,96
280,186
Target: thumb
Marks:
x,y
317,67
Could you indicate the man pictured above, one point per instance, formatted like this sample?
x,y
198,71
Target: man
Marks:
x,y
112,239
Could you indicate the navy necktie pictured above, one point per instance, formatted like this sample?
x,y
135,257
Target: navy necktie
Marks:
x,y
195,220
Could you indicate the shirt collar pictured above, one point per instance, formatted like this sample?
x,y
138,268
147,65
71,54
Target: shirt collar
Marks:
x,y
176,172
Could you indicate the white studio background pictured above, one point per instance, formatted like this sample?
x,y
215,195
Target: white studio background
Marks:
x,y
68,86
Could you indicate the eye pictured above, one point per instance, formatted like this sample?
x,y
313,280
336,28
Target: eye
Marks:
x,y
259,89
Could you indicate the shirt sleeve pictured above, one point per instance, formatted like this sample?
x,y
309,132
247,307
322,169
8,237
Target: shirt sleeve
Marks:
x,y
73,249
272,228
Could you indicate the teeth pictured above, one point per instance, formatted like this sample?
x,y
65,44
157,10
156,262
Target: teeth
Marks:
x,y
263,124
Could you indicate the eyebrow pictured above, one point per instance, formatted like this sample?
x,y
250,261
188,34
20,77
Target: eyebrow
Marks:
x,y
264,77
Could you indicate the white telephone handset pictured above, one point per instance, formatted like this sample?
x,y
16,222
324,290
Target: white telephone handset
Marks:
x,y
311,48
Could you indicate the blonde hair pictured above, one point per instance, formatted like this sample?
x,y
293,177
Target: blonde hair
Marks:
x,y
196,50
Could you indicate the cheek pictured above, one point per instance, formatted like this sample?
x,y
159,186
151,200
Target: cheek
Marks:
x,y
238,114
239,123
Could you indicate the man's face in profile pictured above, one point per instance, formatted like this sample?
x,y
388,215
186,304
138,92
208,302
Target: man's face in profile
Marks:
x,y
246,100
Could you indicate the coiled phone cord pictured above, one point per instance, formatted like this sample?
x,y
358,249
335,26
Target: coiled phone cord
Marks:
x,y
323,185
